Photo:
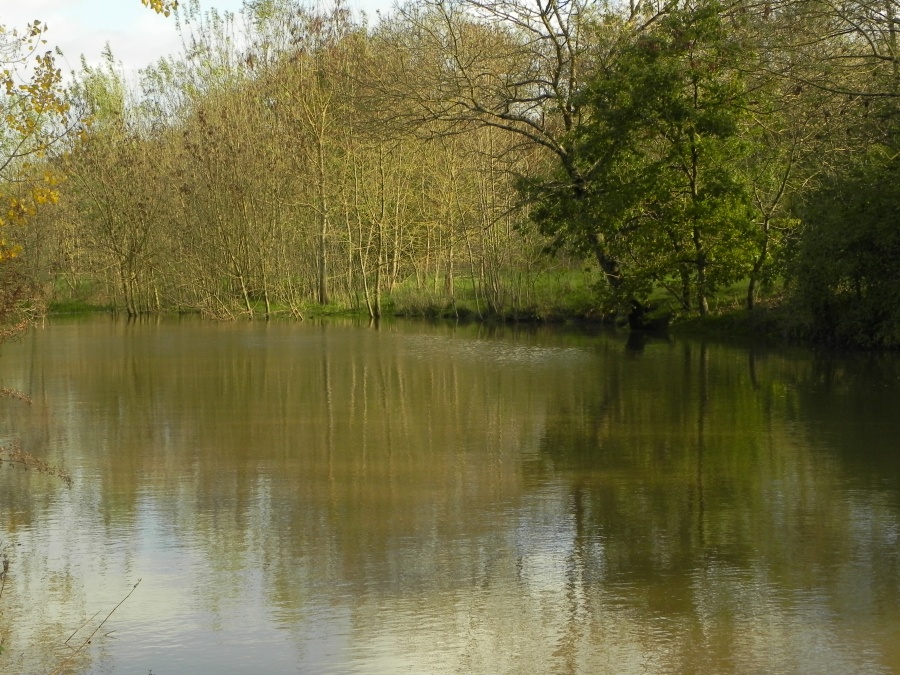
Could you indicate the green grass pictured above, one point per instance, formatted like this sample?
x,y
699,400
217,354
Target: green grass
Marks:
x,y
553,295
548,295
312,311
73,306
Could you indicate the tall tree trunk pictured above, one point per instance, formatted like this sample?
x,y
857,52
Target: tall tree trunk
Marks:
x,y
323,227
701,263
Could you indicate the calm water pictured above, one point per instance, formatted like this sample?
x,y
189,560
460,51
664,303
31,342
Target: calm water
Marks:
x,y
436,499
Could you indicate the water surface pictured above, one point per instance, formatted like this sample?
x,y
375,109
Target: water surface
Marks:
x,y
439,499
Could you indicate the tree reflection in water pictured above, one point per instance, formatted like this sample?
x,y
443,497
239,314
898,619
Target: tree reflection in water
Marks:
x,y
455,499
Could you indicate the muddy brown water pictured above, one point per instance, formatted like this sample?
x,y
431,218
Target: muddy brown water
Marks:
x,y
419,498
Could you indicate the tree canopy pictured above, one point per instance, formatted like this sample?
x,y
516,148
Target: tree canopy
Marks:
x,y
489,157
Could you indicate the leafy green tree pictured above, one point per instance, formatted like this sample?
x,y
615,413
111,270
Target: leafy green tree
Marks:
x,y
658,179
512,65
846,274
842,271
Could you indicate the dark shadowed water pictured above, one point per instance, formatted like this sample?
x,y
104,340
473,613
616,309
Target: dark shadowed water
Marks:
x,y
300,498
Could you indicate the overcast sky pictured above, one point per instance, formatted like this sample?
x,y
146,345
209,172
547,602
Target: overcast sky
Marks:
x,y
137,35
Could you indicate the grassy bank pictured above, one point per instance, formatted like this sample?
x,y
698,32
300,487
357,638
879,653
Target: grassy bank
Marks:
x,y
561,296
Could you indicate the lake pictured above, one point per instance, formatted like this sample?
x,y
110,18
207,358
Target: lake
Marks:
x,y
429,498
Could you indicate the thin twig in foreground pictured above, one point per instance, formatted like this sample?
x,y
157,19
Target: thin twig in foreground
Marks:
x,y
88,639
5,570
81,626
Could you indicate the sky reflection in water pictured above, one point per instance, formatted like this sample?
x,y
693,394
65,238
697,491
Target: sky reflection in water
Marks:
x,y
420,498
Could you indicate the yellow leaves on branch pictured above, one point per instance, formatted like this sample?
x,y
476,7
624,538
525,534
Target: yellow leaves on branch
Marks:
x,y
41,94
18,210
33,106
34,114
9,251
163,7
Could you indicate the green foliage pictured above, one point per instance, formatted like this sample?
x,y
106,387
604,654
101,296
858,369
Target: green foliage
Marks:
x,y
655,183
295,156
551,294
846,275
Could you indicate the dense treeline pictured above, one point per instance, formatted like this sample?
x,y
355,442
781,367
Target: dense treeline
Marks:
x,y
273,168
511,157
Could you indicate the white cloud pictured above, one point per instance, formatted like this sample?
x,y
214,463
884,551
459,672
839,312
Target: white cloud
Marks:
x,y
137,36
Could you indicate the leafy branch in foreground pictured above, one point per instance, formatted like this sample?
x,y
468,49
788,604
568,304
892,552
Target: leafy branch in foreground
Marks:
x,y
13,454
163,7
6,392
